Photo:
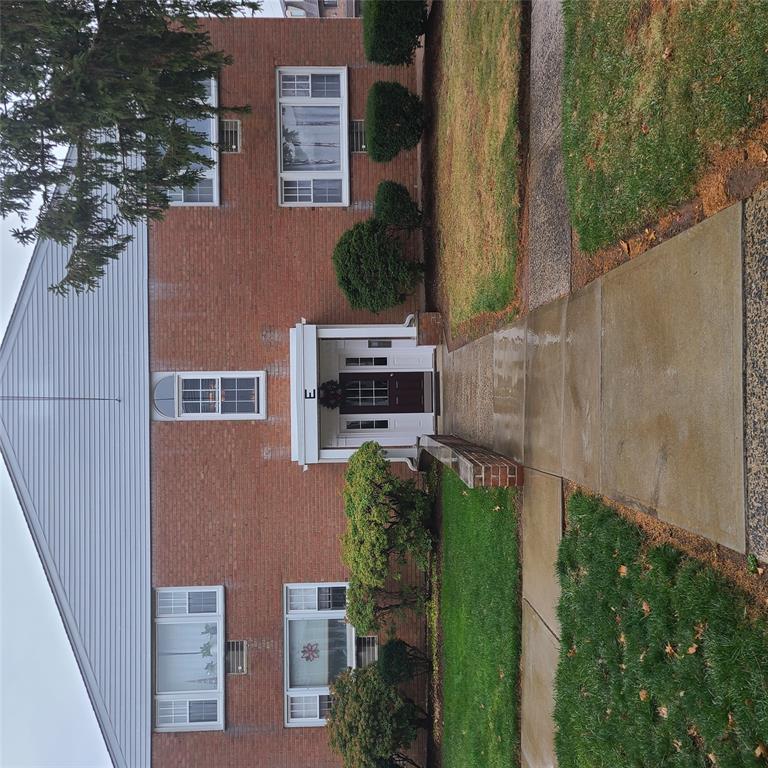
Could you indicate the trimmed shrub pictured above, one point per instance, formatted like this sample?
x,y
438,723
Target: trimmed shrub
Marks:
x,y
370,267
386,518
394,206
391,29
370,608
370,722
399,661
394,120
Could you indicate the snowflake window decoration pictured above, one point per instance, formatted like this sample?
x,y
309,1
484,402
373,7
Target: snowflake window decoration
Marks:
x,y
310,652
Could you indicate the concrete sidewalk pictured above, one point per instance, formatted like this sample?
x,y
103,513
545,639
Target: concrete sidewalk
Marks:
x,y
631,387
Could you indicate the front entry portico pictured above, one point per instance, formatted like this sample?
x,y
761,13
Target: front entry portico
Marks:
x,y
387,390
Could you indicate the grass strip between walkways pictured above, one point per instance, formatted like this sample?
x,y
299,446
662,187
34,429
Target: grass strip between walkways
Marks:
x,y
480,626
663,663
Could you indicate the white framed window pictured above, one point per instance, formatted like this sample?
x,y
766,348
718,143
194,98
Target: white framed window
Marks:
x,y
206,191
312,136
205,395
189,659
319,644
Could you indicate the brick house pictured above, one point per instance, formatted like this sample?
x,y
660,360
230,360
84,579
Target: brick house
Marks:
x,y
199,577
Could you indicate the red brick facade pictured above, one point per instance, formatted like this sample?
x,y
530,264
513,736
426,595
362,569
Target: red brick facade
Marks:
x,y
226,284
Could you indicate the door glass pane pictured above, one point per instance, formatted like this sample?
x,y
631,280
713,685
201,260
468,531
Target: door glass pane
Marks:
x,y
311,138
187,657
317,651
367,393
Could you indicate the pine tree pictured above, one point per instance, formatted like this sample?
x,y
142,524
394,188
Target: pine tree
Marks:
x,y
119,82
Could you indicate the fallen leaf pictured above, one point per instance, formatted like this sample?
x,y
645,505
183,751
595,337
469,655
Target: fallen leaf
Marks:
x,y
572,652
761,751
646,607
731,721
692,649
669,649
624,246
663,712
623,570
645,129
712,758
501,673
643,694
667,53
699,630
677,744
622,639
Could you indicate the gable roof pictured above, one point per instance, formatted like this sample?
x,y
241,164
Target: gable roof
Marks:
x,y
74,434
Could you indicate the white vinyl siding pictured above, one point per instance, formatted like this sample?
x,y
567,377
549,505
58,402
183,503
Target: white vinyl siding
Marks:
x,y
189,659
206,191
312,136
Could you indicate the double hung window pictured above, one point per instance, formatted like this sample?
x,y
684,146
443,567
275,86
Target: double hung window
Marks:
x,y
189,659
312,136
206,191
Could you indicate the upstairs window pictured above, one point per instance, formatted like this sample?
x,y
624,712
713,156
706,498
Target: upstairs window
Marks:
x,y
312,136
201,395
206,191
189,659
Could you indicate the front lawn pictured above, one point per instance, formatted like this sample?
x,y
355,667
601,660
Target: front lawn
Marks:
x,y
476,157
480,626
650,88
661,663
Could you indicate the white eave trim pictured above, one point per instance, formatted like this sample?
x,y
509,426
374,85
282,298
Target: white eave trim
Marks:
x,y
305,438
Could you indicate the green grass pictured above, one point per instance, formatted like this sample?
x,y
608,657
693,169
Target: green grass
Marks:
x,y
649,90
660,664
480,625
477,157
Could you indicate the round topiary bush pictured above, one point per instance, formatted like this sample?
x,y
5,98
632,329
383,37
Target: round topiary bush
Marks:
x,y
394,206
370,267
399,661
391,29
394,120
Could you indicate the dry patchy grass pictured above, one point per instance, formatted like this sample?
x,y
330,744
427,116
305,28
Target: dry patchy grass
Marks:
x,y
653,91
476,157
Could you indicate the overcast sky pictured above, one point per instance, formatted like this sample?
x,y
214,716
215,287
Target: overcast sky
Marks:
x,y
46,718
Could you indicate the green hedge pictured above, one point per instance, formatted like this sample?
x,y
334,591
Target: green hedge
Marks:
x,y
370,267
394,120
394,206
391,29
